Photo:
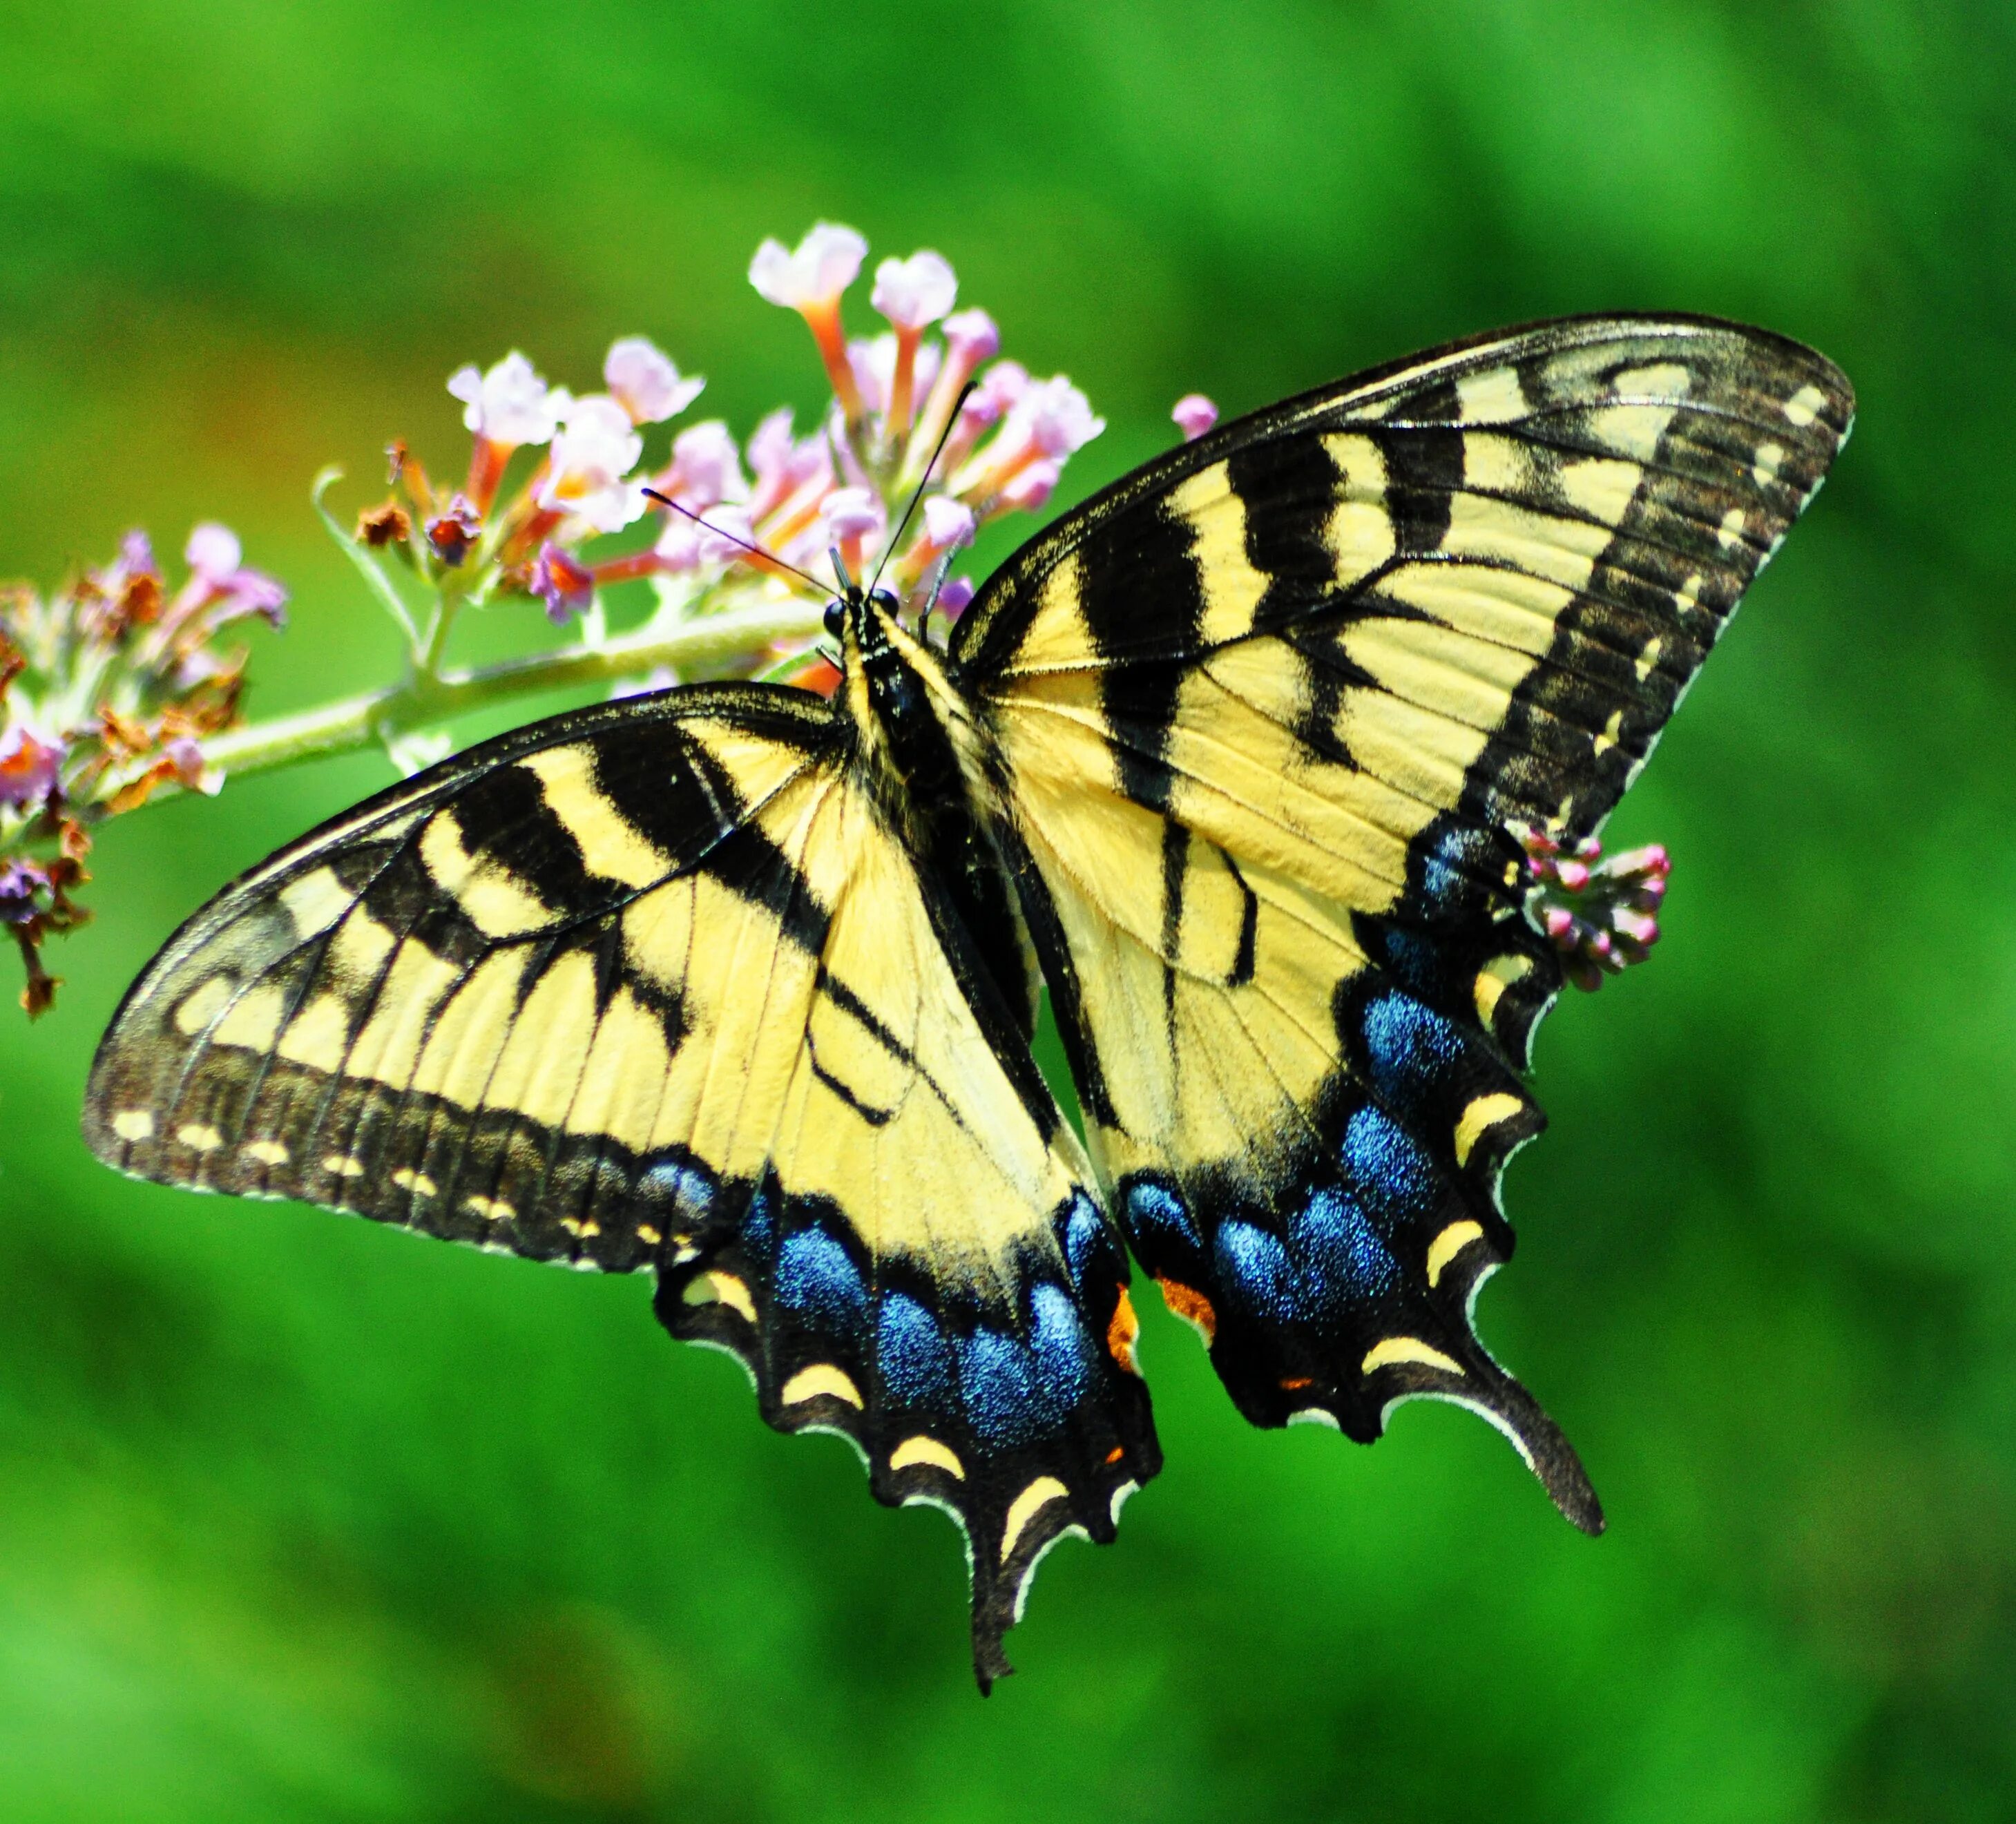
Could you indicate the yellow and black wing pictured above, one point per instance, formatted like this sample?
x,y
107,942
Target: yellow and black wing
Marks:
x,y
654,986
1275,718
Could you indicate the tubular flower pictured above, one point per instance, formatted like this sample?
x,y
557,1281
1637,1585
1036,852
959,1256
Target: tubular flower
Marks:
x,y
645,381
810,278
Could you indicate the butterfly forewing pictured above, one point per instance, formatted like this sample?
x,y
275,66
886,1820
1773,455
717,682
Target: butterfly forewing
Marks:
x,y
1275,714
656,986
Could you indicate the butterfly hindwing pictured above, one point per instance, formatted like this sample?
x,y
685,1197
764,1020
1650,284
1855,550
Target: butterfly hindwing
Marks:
x,y
655,986
1274,714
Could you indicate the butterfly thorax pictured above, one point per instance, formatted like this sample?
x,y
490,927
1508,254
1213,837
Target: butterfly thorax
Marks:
x,y
924,758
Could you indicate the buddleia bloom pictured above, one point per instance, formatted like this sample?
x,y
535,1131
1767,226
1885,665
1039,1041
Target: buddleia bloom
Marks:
x,y
108,688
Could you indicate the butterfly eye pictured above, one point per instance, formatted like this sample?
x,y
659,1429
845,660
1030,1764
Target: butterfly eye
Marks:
x,y
836,618
884,600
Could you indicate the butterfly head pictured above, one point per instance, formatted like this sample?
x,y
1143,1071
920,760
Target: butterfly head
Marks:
x,y
864,611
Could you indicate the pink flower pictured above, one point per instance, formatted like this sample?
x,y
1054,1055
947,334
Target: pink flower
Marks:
x,y
814,274
949,523
1000,389
645,383
706,465
914,293
850,513
685,545
213,552
1056,417
954,597
509,405
1029,487
809,279
565,586
594,450
1194,415
28,768
972,338
784,465
217,575
877,365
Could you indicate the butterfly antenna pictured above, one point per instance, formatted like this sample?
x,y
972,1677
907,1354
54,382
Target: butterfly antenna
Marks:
x,y
719,532
924,481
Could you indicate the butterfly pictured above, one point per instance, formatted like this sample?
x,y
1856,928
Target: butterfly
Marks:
x,y
1243,761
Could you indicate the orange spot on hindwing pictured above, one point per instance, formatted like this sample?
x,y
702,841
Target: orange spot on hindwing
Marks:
x,y
1122,1331
1192,1307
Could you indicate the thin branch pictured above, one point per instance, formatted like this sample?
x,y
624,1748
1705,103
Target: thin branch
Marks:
x,y
364,721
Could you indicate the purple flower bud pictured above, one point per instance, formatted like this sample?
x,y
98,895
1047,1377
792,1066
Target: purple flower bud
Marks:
x,y
1572,875
29,767
565,586
1561,924
814,273
1194,415
136,554
954,597
186,757
645,383
451,533
20,883
914,293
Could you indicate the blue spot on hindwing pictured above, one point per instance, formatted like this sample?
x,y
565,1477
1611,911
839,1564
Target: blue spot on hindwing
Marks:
x,y
1062,1350
997,1378
1393,1177
1341,1256
759,1228
1253,1266
1085,1240
1411,1048
679,1195
911,1357
1158,1220
817,1278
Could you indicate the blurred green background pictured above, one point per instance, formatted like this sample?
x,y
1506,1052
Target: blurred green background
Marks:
x,y
301,1518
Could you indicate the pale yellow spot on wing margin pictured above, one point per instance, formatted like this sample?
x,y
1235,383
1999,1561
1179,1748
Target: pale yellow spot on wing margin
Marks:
x,y
1449,1244
921,1452
1495,976
1486,1111
821,1378
1395,1349
1025,1507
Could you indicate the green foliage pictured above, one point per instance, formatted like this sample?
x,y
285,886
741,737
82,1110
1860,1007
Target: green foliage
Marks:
x,y
306,1519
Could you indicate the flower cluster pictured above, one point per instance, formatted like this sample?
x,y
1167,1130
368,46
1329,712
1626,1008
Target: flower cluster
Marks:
x,y
113,688
924,409
106,689
1599,914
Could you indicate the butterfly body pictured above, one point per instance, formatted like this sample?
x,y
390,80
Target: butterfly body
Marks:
x,y
1248,760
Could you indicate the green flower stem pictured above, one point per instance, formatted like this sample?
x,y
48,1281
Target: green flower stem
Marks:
x,y
363,721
